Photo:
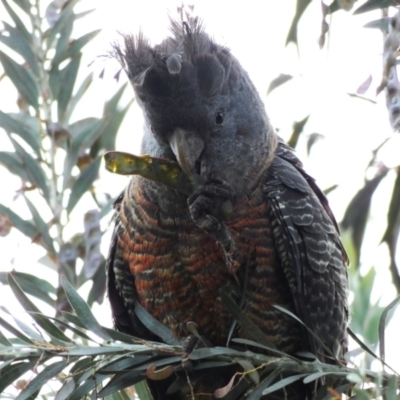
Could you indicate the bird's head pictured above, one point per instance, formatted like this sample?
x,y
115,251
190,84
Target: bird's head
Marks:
x,y
200,107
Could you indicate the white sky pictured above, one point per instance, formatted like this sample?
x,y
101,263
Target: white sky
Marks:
x,y
256,32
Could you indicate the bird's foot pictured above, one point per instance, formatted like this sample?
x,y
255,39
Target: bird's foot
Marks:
x,y
192,342
207,206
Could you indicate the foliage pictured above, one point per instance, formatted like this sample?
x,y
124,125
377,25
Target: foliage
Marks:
x,y
84,357
42,59
71,352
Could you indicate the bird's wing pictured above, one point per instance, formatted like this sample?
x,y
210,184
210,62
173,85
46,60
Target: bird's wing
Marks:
x,y
121,285
310,251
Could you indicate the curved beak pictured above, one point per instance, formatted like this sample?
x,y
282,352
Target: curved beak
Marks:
x,y
187,149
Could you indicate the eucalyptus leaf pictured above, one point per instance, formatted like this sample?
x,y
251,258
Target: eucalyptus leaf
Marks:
x,y
155,326
17,41
77,45
16,19
68,77
12,372
31,284
66,389
12,162
282,383
33,168
83,311
122,381
83,183
26,227
25,126
43,322
22,79
76,98
42,226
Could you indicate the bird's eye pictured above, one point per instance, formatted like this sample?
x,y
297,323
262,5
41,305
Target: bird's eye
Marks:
x,y
219,118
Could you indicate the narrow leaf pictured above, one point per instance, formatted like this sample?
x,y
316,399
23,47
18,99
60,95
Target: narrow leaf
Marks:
x,y
3,340
18,42
76,98
301,6
41,379
278,81
17,20
382,323
77,45
24,126
155,326
42,227
15,332
22,79
374,5
66,390
122,381
11,373
83,311
68,77
320,342
33,169
26,227
83,183
282,383
44,323
12,162
31,284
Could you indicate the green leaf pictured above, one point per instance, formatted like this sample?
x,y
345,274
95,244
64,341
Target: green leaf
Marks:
x,y
26,227
278,81
15,332
76,98
4,341
98,289
17,20
24,5
84,133
31,284
77,45
257,393
24,126
12,372
22,79
83,183
113,117
282,383
382,324
17,42
12,162
83,311
33,169
374,5
43,322
318,375
122,381
315,336
68,77
42,226
26,329
41,379
66,15
155,326
80,392
73,319
301,6
63,42
66,389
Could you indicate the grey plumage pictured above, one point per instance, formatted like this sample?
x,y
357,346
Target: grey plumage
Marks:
x,y
169,250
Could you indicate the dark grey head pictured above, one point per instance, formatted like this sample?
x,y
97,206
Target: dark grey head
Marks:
x,y
200,106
